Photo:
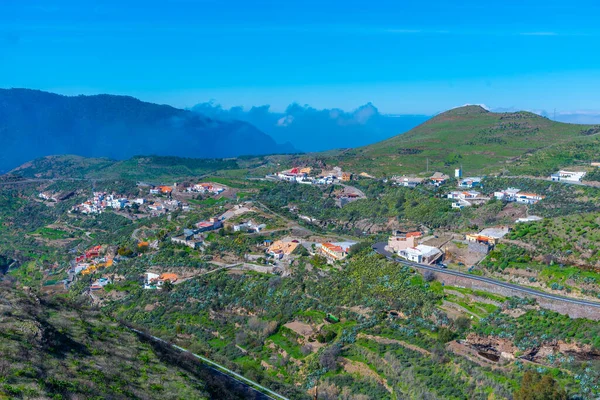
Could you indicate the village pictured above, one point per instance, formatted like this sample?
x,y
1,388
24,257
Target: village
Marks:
x,y
279,250
160,199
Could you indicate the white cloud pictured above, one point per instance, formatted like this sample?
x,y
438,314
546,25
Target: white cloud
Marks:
x,y
285,121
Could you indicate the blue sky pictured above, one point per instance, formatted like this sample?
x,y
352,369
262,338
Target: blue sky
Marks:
x,y
405,57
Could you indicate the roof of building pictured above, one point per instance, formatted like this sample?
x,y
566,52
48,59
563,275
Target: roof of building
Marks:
x,y
439,176
424,250
496,232
414,234
284,247
169,276
332,247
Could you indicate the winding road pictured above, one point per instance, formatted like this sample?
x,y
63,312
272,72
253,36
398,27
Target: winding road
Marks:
x,y
380,248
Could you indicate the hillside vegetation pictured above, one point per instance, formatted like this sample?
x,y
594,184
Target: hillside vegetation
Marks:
x,y
51,349
136,168
470,136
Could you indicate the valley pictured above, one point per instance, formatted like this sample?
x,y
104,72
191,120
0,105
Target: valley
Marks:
x,y
320,274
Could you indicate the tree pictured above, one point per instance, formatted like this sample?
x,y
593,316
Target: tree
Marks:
x,y
537,387
462,323
328,358
125,252
445,335
167,286
429,276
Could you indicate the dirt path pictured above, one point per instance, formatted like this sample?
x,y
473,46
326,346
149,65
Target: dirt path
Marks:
x,y
402,343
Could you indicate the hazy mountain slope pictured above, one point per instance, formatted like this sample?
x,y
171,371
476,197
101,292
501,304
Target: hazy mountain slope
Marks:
x,y
135,168
469,136
35,124
311,129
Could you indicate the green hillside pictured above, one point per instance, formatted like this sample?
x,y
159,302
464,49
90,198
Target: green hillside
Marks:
x,y
50,348
136,168
479,140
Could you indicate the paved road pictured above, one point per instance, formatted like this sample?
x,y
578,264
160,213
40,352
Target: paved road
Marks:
x,y
540,178
380,248
261,391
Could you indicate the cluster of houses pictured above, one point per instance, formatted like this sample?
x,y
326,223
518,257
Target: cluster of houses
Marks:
x,y
91,261
515,195
205,188
437,179
406,245
156,281
164,206
303,175
100,201
332,251
193,237
567,176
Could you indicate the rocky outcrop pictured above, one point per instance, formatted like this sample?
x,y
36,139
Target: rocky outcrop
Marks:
x,y
506,349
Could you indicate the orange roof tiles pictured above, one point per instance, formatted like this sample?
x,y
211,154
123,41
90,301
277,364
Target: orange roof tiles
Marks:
x,y
332,247
414,234
168,276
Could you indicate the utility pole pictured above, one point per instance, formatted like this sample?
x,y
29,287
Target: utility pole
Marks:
x,y
427,164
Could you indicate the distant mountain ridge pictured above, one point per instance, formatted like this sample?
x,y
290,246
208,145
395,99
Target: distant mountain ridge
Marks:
x,y
311,129
36,124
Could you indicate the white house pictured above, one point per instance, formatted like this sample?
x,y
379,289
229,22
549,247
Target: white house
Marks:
x,y
470,194
150,280
568,176
509,194
471,182
421,254
407,181
531,218
528,198
249,226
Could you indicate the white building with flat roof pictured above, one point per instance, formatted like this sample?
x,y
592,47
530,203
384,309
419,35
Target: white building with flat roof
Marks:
x,y
568,176
421,254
